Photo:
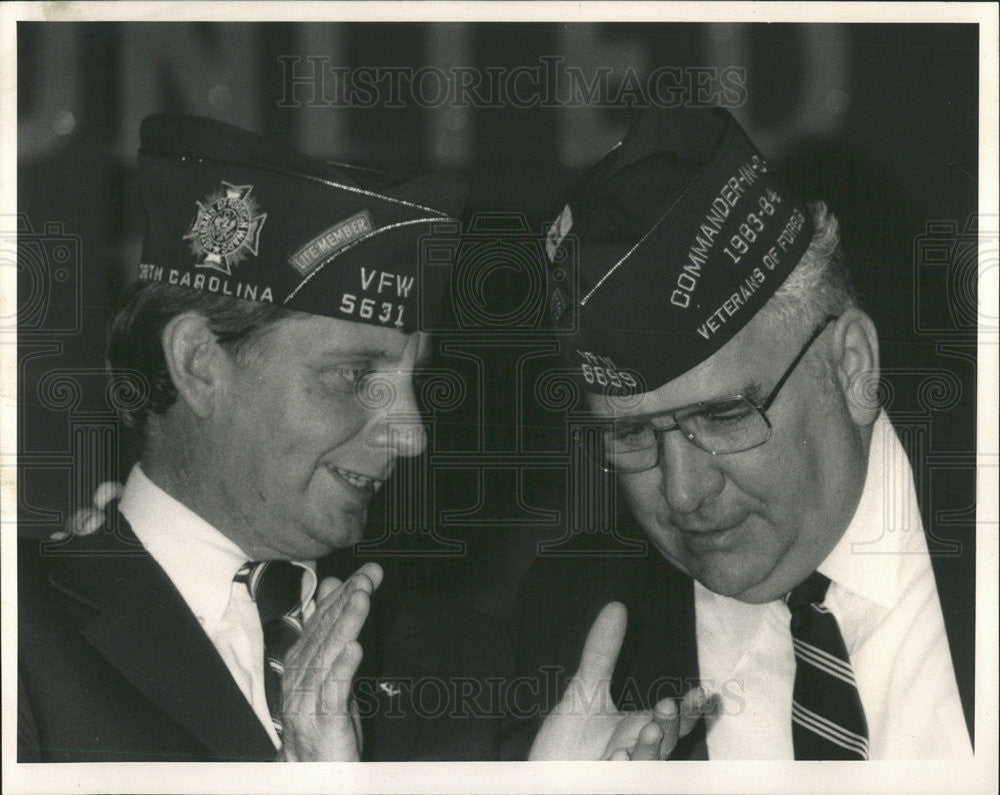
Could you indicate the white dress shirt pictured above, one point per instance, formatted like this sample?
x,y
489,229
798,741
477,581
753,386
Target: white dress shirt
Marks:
x,y
885,599
201,563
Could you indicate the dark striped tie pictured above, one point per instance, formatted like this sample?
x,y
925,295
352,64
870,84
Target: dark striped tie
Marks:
x,y
828,720
276,588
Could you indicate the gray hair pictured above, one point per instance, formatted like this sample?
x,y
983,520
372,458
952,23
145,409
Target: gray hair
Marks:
x,y
820,284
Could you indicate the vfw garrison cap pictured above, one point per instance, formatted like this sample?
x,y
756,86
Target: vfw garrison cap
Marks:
x,y
231,213
682,231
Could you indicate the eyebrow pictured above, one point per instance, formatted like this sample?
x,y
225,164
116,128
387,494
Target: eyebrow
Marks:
x,y
373,354
351,352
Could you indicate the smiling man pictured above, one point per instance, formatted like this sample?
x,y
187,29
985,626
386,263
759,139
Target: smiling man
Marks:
x,y
272,341
731,375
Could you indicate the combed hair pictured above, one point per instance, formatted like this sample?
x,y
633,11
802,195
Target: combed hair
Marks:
x,y
134,348
820,284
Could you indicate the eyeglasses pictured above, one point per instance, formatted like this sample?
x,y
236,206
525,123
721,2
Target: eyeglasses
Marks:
x,y
722,426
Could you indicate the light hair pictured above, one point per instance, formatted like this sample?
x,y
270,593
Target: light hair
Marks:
x,y
820,284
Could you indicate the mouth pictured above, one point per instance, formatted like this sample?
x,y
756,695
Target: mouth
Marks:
x,y
711,539
363,483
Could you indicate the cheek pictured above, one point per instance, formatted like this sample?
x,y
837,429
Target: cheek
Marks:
x,y
313,423
642,493
787,484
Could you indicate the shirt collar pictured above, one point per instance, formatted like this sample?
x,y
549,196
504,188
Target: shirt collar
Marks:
x,y
868,556
199,560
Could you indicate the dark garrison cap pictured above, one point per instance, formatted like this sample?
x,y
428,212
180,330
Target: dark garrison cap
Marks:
x,y
229,212
681,233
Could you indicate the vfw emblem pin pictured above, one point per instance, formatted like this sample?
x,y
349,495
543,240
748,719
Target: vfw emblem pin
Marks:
x,y
226,229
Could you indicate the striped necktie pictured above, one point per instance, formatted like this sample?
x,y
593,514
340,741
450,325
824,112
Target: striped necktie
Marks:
x,y
828,720
276,588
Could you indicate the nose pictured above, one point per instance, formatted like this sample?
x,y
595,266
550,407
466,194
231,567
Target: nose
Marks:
x,y
396,424
690,475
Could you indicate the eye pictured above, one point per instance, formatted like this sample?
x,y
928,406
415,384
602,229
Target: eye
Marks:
x,y
729,412
631,433
345,377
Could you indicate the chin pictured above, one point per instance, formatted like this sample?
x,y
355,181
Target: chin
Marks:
x,y
345,530
726,582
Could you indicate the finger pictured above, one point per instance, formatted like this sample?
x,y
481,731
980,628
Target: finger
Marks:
x,y
373,572
309,649
109,490
666,715
74,524
329,611
626,733
316,631
82,523
336,692
327,587
604,642
695,704
317,650
647,745
344,630
347,662
332,595
621,755
348,626
367,577
358,728
92,524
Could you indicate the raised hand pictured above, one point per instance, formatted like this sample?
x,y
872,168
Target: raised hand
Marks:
x,y
319,714
586,725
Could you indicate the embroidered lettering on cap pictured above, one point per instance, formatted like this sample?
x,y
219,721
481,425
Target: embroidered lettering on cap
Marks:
x,y
688,226
324,222
333,239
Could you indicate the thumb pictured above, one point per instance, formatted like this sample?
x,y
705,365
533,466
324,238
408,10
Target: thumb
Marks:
x,y
604,642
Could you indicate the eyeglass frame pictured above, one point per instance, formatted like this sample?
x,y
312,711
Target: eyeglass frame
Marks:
x,y
761,408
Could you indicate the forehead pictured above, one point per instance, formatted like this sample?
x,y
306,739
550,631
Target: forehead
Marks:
x,y
739,367
315,337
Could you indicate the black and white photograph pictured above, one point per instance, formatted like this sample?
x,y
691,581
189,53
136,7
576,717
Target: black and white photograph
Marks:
x,y
512,392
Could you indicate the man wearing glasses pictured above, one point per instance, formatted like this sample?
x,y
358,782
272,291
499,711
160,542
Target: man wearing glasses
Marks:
x,y
731,375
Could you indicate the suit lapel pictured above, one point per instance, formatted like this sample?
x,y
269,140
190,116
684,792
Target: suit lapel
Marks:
x,y
393,682
665,640
146,631
661,649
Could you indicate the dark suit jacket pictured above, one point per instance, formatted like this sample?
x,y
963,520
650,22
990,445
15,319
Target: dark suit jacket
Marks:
x,y
561,596
113,666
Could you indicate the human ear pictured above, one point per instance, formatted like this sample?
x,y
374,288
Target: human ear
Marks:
x,y
195,360
855,355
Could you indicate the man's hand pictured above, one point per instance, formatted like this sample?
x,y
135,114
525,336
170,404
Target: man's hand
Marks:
x,y
587,725
319,715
